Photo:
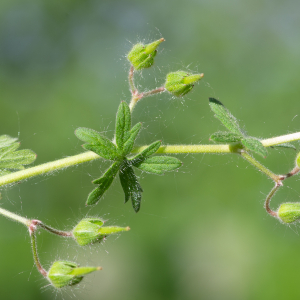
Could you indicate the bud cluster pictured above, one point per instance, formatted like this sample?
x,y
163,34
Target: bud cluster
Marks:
x,y
177,83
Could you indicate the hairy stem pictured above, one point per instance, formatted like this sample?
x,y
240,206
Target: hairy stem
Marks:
x,y
133,89
15,217
169,149
261,167
268,199
55,231
35,254
281,139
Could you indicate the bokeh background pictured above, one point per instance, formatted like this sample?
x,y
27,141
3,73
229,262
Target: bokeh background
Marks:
x,y
202,232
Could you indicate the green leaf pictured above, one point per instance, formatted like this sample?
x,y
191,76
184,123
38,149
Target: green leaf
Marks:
x,y
255,145
159,164
131,186
150,150
104,182
128,145
10,159
97,143
6,140
285,145
110,172
105,152
225,137
123,124
88,135
223,114
5,150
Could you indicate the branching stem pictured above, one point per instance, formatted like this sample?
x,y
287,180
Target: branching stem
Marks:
x,y
15,217
169,149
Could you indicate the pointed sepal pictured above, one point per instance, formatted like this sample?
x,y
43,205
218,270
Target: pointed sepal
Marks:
x,y
91,230
180,83
142,56
66,273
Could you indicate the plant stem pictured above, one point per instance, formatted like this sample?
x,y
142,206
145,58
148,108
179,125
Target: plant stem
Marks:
x,y
169,149
181,149
55,231
259,166
136,96
153,92
131,80
269,197
48,167
281,139
35,255
15,217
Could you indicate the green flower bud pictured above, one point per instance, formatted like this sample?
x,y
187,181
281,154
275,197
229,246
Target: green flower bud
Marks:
x,y
89,231
141,56
180,83
289,212
66,273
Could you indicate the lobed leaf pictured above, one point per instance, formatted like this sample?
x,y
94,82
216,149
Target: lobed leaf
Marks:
x,y
255,145
10,159
88,135
223,114
6,140
97,143
150,150
159,164
131,186
128,145
104,182
226,137
123,124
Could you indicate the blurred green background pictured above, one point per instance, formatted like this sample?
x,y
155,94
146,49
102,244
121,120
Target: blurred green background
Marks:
x,y
202,232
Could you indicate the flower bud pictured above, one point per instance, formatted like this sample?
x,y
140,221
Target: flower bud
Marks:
x,y
89,231
289,212
180,83
66,273
141,56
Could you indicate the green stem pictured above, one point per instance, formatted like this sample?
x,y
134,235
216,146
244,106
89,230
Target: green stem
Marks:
x,y
281,139
35,255
15,217
180,149
259,166
48,167
169,149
